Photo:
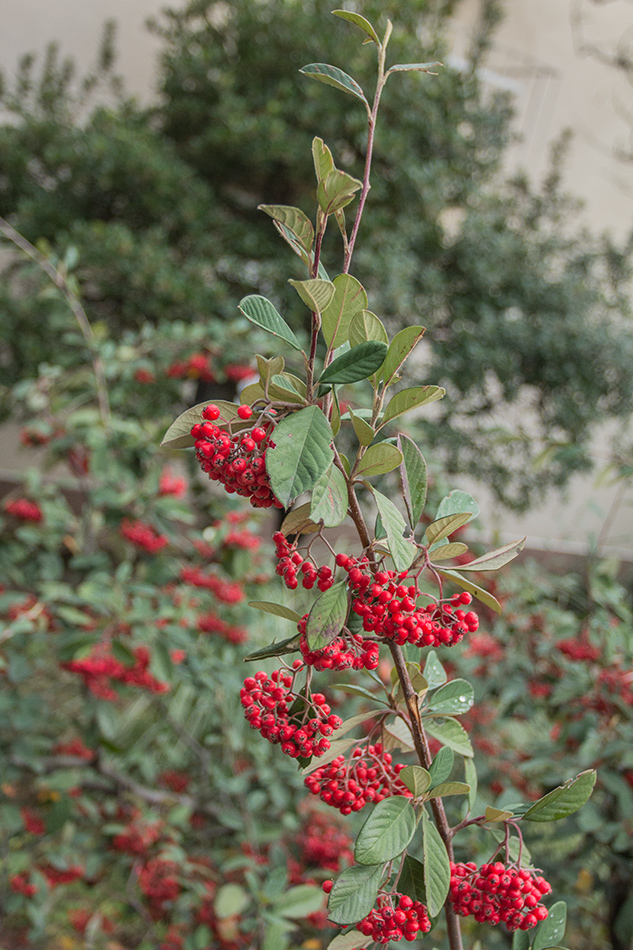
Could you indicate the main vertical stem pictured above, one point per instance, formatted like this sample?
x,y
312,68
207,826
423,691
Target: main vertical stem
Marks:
x,y
437,806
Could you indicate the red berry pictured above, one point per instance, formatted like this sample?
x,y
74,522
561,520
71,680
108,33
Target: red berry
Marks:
x,y
245,412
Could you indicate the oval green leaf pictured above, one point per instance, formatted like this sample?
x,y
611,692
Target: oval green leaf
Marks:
x,y
564,800
402,551
299,901
401,346
493,560
358,363
178,435
329,498
298,521
349,299
333,76
413,478
354,894
278,610
551,931
293,220
327,616
302,453
452,699
486,598
316,294
387,831
364,432
366,326
442,766
408,399
450,733
336,190
378,460
443,527
434,672
412,879
276,648
416,779
263,313
456,502
446,789
360,22
437,868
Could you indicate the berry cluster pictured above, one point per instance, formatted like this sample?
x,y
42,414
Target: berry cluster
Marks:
x,y
98,669
324,844
23,509
388,607
236,461
159,882
268,703
494,893
368,776
143,536
291,561
211,623
229,592
348,651
396,916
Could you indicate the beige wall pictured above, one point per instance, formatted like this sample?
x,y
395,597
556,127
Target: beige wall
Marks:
x,y
539,54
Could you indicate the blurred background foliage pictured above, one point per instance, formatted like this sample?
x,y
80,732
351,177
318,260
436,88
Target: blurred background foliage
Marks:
x,y
527,314
151,214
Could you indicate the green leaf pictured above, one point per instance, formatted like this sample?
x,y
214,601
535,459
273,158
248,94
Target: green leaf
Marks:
x,y
456,697
358,363
455,503
364,432
413,478
322,158
403,552
486,598
408,399
262,313
442,766
450,733
299,901
316,294
416,779
283,386
355,690
446,789
397,735
336,191
337,747
354,894
413,67
278,648
334,76
357,720
470,772
293,220
401,346
564,800
366,326
493,560
434,672
387,831
352,940
497,814
329,498
378,460
327,616
446,551
443,527
412,879
298,521
277,609
302,453
178,435
520,940
437,868
348,300
551,931
231,899
360,22
268,368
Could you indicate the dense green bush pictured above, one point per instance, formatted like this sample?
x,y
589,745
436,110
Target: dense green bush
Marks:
x,y
162,208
